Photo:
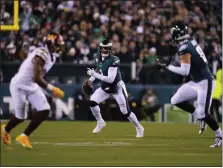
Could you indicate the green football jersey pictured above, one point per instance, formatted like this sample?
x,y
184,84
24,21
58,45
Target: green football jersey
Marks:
x,y
199,69
110,61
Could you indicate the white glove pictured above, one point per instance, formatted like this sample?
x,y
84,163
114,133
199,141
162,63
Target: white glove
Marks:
x,y
91,72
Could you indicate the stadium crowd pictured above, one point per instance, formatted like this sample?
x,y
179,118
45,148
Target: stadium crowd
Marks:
x,y
139,30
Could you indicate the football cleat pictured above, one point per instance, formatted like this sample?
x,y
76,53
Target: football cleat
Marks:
x,y
139,131
100,124
5,136
217,142
24,141
203,126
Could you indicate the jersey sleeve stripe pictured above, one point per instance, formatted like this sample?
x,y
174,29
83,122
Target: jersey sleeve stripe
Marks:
x,y
42,53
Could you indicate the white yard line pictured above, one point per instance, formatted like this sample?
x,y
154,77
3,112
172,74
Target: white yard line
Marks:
x,y
85,143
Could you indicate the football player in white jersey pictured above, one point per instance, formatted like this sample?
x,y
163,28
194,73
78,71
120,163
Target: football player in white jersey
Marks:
x,y
27,84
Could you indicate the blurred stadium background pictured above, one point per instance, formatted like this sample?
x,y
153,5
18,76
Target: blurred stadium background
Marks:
x,y
139,31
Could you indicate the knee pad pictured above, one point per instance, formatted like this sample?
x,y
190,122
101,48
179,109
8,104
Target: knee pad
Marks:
x,y
125,111
92,103
127,114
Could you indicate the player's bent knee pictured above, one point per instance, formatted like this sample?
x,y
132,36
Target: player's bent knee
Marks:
x,y
174,100
20,118
123,109
92,103
200,112
127,114
43,107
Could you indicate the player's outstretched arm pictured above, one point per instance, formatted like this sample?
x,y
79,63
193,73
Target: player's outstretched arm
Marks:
x,y
112,71
38,72
184,69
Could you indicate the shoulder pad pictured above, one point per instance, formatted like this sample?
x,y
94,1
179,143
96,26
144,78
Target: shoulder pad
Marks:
x,y
115,62
183,49
42,52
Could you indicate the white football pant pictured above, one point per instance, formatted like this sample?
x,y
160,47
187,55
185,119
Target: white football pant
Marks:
x,y
200,91
19,96
121,97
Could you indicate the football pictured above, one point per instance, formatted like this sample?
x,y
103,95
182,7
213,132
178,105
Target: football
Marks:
x,y
87,87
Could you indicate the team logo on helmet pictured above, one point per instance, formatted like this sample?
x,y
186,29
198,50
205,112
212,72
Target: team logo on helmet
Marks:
x,y
105,48
54,42
179,32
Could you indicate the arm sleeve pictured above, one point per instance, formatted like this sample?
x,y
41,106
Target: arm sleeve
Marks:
x,y
112,72
183,70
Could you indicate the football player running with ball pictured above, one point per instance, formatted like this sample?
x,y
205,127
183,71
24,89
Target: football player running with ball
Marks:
x,y
201,87
111,84
27,84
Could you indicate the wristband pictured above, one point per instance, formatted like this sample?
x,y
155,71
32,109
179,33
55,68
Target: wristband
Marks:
x,y
50,87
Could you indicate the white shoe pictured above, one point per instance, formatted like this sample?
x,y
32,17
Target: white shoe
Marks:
x,y
100,124
203,126
217,142
139,131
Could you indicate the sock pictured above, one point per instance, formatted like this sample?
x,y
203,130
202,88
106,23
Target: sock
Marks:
x,y
13,122
133,119
37,119
186,106
218,132
211,122
23,134
96,112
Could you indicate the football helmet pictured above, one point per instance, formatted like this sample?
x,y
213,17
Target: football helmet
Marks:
x,y
54,42
105,48
179,32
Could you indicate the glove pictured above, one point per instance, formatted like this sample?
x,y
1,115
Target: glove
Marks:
x,y
90,71
57,92
160,61
87,87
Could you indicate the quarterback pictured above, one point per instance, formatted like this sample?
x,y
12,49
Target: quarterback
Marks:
x,y
111,84
200,88
27,84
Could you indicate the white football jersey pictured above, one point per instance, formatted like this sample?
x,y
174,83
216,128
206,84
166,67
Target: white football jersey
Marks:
x,y
24,78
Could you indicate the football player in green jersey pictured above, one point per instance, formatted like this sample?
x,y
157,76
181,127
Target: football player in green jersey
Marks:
x,y
200,88
111,84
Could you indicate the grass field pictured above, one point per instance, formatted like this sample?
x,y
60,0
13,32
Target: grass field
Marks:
x,y
72,144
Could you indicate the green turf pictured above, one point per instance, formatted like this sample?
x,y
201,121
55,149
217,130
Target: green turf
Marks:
x,y
72,144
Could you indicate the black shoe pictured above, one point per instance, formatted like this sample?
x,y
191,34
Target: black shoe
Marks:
x,y
217,142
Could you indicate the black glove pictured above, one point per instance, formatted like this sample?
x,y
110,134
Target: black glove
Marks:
x,y
160,61
87,88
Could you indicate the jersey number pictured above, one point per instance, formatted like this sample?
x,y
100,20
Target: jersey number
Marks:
x,y
201,53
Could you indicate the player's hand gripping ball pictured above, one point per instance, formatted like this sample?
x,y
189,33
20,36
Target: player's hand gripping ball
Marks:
x,y
87,88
